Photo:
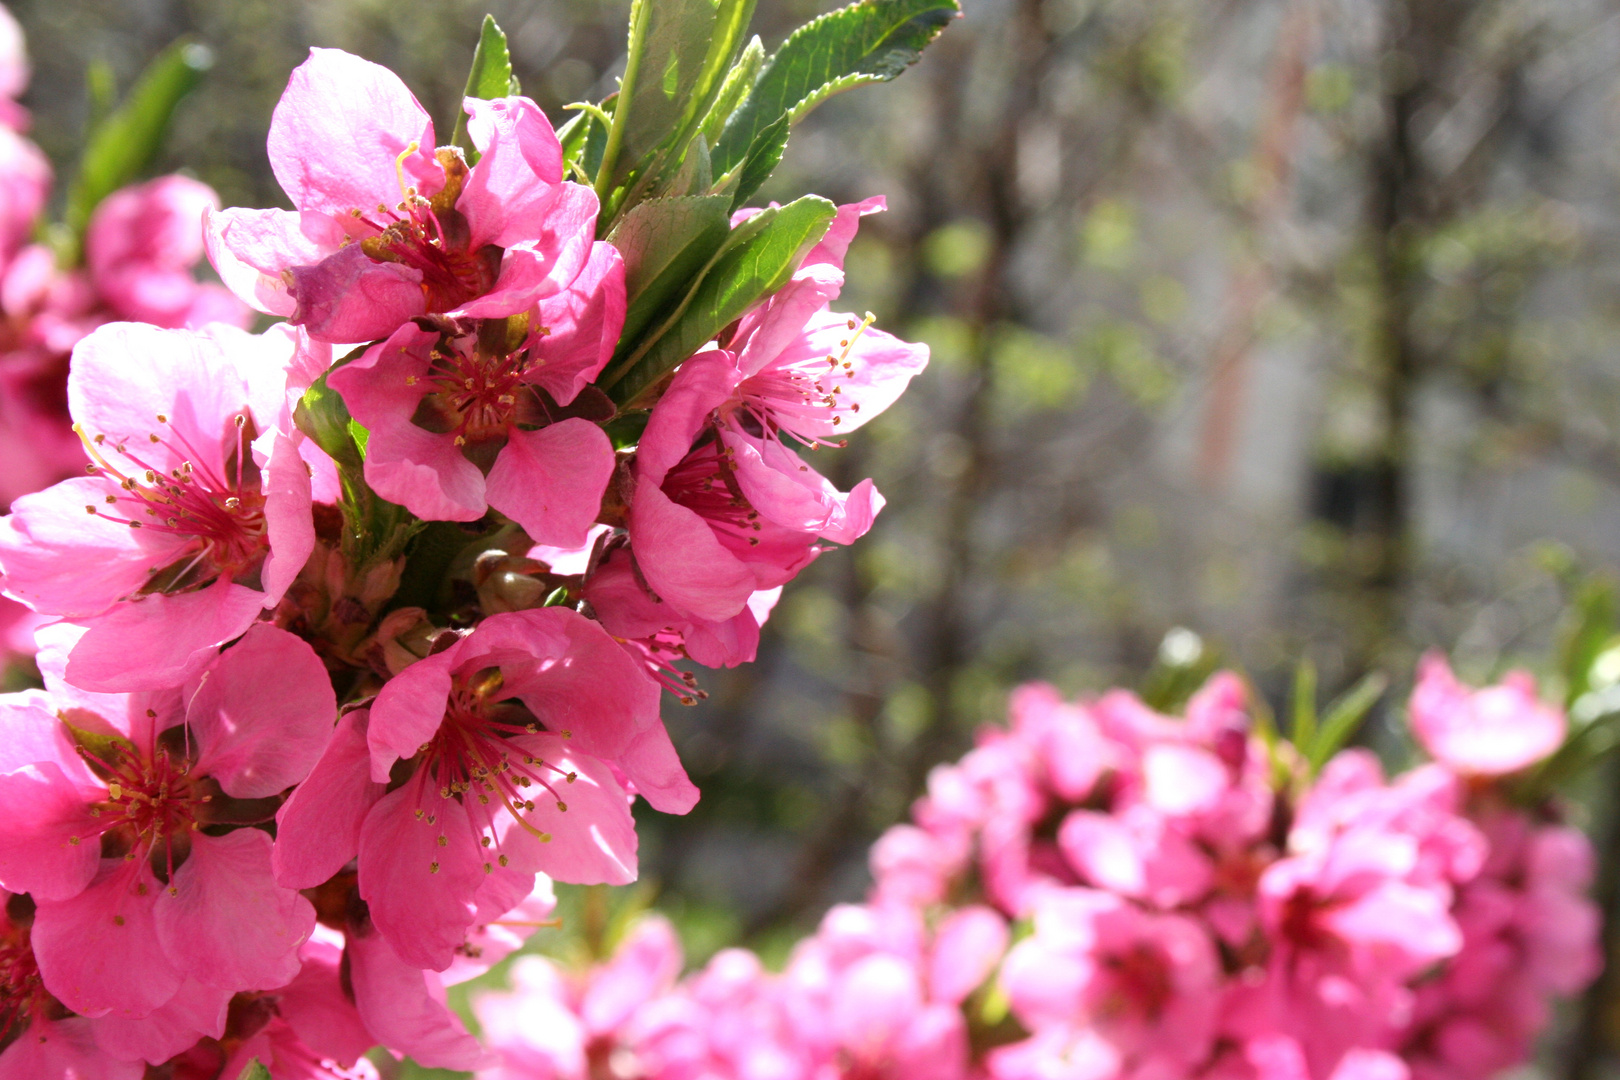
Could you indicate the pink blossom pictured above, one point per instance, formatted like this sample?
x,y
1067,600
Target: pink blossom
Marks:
x,y
140,247
723,504
1491,732
25,183
507,743
494,436
196,513
139,775
387,227
1149,984
14,71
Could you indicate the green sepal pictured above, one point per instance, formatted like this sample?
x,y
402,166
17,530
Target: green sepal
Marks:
x,y
870,41
490,78
255,1071
121,146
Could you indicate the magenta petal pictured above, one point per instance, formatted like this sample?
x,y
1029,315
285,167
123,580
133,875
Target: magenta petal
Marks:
x,y
652,765
60,560
318,827
30,732
404,1008
508,194
161,641
51,845
420,874
551,481
407,712
317,1007
99,952
585,684
540,268
63,1048
593,841
195,1012
289,521
582,325
701,385
258,744
682,561
227,923
250,249
348,296
337,131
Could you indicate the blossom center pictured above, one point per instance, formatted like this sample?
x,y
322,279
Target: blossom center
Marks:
x,y
22,991
432,237
473,395
152,805
705,482
806,393
220,514
471,758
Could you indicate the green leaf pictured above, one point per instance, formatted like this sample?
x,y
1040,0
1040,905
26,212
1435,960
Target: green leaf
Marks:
x,y
322,415
584,138
119,149
761,160
1591,622
756,260
255,1071
739,80
665,242
1344,717
1304,733
870,41
490,78
680,53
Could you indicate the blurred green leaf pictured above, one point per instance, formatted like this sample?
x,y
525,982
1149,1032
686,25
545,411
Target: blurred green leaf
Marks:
x,y
870,41
1591,624
679,55
1304,729
120,148
1343,718
490,78
255,1071
584,138
757,259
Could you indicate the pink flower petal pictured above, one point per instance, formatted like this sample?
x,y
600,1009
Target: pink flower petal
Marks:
x,y
594,840
197,1011
404,1008
682,561
551,481
510,192
318,827
51,845
257,744
338,130
289,523
161,641
226,922
652,766
99,952
582,323
63,1048
419,875
349,296
250,249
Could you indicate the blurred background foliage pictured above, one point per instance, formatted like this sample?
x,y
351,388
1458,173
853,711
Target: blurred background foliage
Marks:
x,y
1261,329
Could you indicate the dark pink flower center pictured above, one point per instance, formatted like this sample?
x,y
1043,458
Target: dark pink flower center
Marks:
x,y
705,482
152,805
471,758
22,991
1141,980
432,237
783,397
220,514
476,396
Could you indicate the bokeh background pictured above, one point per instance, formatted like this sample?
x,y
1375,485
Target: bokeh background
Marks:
x,y
1261,329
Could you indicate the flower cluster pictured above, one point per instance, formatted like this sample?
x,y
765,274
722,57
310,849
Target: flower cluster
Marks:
x,y
356,630
140,248
1187,900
